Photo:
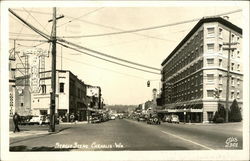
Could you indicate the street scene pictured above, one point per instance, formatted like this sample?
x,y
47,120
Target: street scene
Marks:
x,y
100,78
128,134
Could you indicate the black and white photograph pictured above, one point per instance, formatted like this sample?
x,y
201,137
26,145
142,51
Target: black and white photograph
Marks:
x,y
125,80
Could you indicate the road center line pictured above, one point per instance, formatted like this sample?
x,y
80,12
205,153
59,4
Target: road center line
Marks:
x,y
187,140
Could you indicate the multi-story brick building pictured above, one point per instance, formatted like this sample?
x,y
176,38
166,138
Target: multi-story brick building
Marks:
x,y
197,68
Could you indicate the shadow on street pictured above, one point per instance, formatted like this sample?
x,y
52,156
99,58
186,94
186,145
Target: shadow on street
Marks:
x,y
41,148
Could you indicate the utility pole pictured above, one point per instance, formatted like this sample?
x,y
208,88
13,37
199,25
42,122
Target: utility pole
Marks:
x,y
228,71
53,72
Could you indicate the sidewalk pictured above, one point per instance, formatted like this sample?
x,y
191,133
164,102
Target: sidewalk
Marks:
x,y
28,133
78,122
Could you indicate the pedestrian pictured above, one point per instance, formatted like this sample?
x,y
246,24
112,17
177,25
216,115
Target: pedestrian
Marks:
x,y
16,118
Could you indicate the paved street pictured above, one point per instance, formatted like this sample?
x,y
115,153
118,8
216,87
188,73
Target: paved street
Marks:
x,y
125,134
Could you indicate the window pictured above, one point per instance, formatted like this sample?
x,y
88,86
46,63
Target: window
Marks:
x,y
210,31
210,47
21,104
220,79
232,38
210,61
238,67
232,95
232,54
43,88
210,77
238,39
232,81
232,66
220,63
61,87
238,95
220,47
220,32
238,82
238,54
210,93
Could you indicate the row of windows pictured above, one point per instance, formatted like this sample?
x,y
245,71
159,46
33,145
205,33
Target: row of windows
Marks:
x,y
211,78
233,95
44,88
233,67
211,33
186,96
191,51
195,67
211,49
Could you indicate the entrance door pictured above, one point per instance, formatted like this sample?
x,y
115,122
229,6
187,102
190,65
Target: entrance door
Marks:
x,y
210,116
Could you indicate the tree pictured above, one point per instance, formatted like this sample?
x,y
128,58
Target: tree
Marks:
x,y
220,114
235,113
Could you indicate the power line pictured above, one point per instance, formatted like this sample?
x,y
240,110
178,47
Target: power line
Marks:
x,y
36,20
30,26
32,45
109,56
66,46
85,14
148,28
64,41
101,25
28,40
102,68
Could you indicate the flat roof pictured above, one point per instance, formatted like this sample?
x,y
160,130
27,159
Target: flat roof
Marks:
x,y
197,26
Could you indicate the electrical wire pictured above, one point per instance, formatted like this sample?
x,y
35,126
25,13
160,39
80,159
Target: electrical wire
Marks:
x,y
28,40
64,41
66,46
36,20
32,45
109,56
148,28
29,25
103,68
85,14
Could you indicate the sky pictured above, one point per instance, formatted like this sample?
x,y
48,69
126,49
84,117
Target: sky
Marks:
x,y
120,85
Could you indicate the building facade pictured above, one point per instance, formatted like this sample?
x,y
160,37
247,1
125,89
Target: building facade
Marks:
x,y
70,96
196,70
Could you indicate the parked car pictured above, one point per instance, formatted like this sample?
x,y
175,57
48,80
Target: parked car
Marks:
x,y
167,118
175,119
36,120
154,119
141,118
39,120
96,119
112,117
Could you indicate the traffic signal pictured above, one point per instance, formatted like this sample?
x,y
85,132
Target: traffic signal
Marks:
x,y
148,83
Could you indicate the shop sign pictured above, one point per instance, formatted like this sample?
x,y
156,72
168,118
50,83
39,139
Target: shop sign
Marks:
x,y
34,61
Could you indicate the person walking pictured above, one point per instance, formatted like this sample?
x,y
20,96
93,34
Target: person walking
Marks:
x,y
16,118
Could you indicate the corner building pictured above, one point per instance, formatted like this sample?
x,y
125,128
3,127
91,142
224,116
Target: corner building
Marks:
x,y
197,69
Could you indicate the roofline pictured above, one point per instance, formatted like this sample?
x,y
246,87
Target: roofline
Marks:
x,y
197,26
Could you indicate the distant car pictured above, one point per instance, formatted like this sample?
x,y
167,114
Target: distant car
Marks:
x,y
112,117
175,119
96,119
141,119
120,117
36,120
167,118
